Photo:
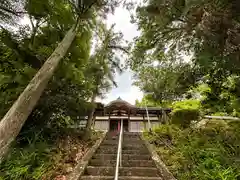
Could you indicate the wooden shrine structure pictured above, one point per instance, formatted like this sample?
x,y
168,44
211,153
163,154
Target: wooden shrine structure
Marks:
x,y
135,119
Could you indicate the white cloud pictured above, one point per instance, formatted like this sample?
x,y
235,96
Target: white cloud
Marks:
x,y
121,18
125,89
25,21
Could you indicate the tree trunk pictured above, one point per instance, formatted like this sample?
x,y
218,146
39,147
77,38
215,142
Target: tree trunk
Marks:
x,y
90,118
15,118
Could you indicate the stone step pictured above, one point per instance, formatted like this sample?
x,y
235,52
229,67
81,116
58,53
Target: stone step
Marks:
x,y
139,171
120,178
133,144
136,157
124,151
110,142
99,171
132,139
123,171
106,150
134,148
129,163
107,146
125,146
138,163
112,138
99,162
104,157
131,134
115,142
136,151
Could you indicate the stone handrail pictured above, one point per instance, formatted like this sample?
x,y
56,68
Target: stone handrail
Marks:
x,y
119,153
221,117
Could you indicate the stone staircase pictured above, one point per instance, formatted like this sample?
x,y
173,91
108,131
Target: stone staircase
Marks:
x,y
136,160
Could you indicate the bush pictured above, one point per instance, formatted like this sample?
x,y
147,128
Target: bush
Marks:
x,y
187,104
210,153
163,134
184,112
30,162
219,114
184,117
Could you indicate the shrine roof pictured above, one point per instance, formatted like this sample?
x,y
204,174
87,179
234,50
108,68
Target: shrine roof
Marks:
x,y
122,105
118,103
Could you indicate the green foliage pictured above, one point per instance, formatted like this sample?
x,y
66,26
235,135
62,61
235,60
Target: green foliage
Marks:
x,y
84,72
186,51
164,81
151,101
219,114
163,135
209,153
43,156
184,117
27,163
75,79
187,104
186,44
184,112
147,100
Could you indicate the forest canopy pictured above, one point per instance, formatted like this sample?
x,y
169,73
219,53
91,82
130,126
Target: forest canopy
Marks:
x,y
65,51
186,45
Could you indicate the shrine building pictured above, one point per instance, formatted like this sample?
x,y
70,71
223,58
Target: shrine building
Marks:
x,y
135,119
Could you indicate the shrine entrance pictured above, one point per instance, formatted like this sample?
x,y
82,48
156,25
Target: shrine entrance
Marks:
x,y
115,125
125,126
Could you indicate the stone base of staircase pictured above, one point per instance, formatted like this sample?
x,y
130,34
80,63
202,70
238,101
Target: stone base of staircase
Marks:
x,y
137,162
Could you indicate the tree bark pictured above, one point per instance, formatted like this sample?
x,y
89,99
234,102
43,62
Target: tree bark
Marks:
x,y
90,118
15,118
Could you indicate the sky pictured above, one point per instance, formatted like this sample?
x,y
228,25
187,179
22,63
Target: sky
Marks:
x,y
125,90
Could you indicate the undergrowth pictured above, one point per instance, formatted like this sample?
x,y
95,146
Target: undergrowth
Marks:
x,y
209,153
44,157
27,163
